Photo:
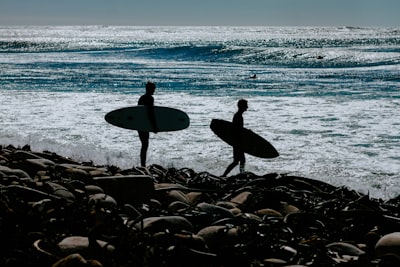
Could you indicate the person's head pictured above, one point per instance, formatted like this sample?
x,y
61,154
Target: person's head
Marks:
x,y
150,88
242,105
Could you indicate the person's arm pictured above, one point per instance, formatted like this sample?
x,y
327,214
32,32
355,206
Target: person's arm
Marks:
x,y
237,130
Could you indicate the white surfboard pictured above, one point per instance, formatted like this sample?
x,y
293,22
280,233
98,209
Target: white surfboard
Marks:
x,y
137,118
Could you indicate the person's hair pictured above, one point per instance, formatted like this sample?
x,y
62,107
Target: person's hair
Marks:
x,y
242,103
150,86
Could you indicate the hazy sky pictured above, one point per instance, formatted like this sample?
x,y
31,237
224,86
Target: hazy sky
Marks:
x,y
202,12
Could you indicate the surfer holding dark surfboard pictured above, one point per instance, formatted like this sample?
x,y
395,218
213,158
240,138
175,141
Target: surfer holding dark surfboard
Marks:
x,y
238,153
147,100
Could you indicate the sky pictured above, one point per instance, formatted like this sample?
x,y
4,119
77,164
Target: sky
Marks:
x,y
357,13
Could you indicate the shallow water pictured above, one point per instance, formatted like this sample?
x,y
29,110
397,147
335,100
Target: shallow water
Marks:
x,y
327,98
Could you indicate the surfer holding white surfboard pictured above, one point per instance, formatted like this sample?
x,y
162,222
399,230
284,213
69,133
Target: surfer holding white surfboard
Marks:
x,y
147,100
146,118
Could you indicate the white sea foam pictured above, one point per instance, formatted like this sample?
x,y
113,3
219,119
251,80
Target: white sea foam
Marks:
x,y
343,143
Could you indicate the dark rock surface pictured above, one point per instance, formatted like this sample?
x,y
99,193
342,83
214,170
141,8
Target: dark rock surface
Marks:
x,y
55,211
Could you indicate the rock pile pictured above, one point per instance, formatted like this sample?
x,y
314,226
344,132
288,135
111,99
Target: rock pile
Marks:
x,y
55,211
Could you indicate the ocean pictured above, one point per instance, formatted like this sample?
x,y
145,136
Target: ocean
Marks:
x,y
328,98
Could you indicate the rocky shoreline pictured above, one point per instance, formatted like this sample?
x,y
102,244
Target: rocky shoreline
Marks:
x,y
55,211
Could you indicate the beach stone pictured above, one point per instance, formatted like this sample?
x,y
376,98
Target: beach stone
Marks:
x,y
99,172
177,195
29,166
59,190
29,194
103,201
219,237
268,212
3,159
371,238
301,219
42,162
242,198
388,244
274,262
93,189
78,174
80,244
286,208
344,248
250,216
235,211
177,206
23,155
174,224
142,170
187,239
296,265
194,197
287,252
41,173
166,186
76,260
85,168
215,210
42,176
75,185
43,205
154,204
226,204
17,172
131,189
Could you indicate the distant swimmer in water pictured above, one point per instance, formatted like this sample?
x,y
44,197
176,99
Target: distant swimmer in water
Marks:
x,y
253,76
238,154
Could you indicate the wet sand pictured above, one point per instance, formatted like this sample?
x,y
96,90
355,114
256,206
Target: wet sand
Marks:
x,y
55,211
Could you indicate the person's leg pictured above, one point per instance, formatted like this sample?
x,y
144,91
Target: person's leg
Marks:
x,y
236,160
230,168
144,139
242,162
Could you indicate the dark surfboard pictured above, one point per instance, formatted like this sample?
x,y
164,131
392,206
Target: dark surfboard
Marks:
x,y
251,143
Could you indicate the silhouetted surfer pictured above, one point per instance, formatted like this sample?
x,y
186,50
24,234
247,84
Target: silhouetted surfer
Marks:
x,y
147,100
238,154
